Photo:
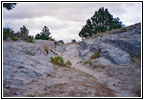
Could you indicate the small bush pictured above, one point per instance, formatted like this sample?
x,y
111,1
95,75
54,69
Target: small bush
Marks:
x,y
31,39
5,36
68,63
95,55
31,95
57,60
123,29
14,38
8,31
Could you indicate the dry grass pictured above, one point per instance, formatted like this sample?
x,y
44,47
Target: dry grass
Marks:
x,y
96,65
73,43
46,48
136,60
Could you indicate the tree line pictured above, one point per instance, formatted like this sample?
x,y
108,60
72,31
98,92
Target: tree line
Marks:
x,y
101,21
23,34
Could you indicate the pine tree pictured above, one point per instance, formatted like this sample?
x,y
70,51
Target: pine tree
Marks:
x,y
101,21
23,33
44,35
24,30
45,31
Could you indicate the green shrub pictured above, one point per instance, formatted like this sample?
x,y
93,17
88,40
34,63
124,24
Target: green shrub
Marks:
x,y
31,39
68,63
31,95
14,38
51,59
57,60
8,31
60,61
95,55
5,36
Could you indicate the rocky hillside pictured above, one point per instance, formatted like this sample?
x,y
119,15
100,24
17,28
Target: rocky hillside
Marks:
x,y
116,46
106,65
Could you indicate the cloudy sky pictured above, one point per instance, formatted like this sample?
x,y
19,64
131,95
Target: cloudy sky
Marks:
x,y
65,20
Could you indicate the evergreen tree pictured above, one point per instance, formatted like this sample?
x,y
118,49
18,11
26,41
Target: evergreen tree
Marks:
x,y
101,21
24,30
9,6
23,33
45,31
44,35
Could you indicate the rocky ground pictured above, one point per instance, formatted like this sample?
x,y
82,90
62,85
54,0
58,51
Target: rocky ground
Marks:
x,y
28,72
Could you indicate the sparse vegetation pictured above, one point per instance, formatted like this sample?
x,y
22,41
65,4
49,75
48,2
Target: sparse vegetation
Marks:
x,y
130,28
31,39
7,32
68,63
60,61
99,34
95,55
57,60
5,36
90,62
14,38
123,29
31,95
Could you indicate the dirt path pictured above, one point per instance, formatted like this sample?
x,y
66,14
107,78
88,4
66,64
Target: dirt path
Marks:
x,y
118,82
78,80
72,54
65,82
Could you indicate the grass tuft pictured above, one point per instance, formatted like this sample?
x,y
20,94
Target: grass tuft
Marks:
x,y
14,38
95,55
68,63
31,39
31,95
57,60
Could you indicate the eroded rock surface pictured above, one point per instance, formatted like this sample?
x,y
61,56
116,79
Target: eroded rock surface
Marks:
x,y
22,62
116,47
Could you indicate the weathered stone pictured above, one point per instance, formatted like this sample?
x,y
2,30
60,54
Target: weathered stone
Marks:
x,y
23,61
116,47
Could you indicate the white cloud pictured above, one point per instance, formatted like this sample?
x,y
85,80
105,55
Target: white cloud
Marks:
x,y
65,20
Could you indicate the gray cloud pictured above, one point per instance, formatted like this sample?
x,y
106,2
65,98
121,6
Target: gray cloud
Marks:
x,y
65,20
